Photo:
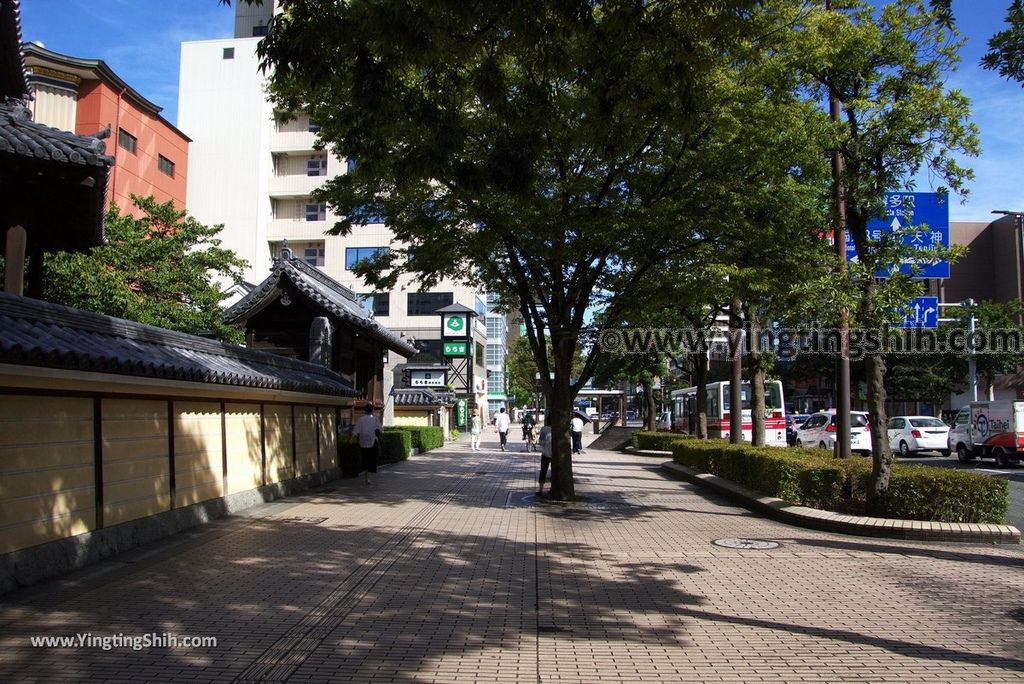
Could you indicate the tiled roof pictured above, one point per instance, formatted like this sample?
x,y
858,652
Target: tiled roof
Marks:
x,y
35,333
12,66
21,136
327,293
423,397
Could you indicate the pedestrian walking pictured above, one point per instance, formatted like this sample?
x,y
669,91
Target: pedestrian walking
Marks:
x,y
577,435
502,423
368,431
545,454
475,428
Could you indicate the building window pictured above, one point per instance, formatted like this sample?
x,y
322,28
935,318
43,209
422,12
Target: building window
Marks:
x,y
229,53
353,255
479,354
313,126
495,355
316,212
480,307
165,165
377,302
314,256
316,167
350,165
126,140
259,31
427,303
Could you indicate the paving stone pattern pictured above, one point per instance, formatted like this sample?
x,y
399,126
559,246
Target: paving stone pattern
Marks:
x,y
450,570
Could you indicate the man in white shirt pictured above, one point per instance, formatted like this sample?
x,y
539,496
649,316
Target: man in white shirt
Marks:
x,y
502,423
368,430
577,435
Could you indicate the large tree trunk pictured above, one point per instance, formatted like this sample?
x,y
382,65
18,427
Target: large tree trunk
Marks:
x,y
756,370
701,381
649,408
562,486
878,490
736,377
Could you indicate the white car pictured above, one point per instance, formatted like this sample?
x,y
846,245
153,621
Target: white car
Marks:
x,y
910,434
819,432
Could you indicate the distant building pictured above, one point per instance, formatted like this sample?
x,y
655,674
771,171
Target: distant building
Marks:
x,y
85,96
254,170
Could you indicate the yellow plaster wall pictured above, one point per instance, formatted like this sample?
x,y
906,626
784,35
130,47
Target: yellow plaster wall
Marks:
x,y
47,483
278,433
198,460
244,454
136,477
411,417
305,440
328,439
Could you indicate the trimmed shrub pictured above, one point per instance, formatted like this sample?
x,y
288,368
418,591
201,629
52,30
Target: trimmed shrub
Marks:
x,y
424,438
395,445
918,492
656,441
814,477
811,479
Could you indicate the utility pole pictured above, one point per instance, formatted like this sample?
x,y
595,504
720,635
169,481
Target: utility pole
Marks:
x,y
842,389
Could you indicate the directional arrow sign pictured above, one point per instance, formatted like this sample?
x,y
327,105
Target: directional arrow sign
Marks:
x,y
922,312
926,211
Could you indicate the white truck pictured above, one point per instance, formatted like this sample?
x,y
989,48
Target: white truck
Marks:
x,y
989,429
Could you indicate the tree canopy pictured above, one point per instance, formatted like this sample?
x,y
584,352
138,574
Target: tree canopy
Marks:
x,y
163,268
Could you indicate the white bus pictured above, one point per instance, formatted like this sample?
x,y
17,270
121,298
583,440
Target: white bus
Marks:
x,y
684,411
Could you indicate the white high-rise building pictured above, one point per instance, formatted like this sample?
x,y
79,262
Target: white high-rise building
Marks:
x,y
254,171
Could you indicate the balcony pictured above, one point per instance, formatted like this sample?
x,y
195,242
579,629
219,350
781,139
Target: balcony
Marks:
x,y
292,141
297,229
293,185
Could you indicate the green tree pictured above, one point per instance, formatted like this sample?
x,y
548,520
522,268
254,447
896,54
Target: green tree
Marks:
x,y
886,68
544,149
163,268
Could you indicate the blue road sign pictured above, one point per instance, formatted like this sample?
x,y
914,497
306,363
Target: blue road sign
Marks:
x,y
922,312
928,211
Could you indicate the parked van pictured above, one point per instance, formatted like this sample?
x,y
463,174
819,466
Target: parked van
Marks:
x,y
989,429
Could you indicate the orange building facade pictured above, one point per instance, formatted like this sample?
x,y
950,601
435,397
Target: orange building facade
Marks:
x,y
85,96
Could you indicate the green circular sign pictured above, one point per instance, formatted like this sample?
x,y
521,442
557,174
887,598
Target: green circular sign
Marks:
x,y
455,323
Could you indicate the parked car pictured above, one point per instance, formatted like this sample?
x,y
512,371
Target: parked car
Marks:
x,y
631,414
910,434
665,420
819,431
793,423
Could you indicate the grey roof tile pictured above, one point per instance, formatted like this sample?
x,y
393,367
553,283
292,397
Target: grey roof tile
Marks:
x,y
35,333
335,299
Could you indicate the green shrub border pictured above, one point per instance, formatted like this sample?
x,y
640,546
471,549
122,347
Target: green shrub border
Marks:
x,y
424,438
814,477
395,445
656,441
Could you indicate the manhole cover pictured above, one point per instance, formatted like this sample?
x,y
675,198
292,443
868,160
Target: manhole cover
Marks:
x,y
300,519
736,543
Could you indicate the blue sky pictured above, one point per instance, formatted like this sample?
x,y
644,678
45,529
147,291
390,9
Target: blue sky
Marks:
x,y
140,39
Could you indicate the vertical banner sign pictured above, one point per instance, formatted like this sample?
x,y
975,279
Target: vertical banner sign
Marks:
x,y
460,413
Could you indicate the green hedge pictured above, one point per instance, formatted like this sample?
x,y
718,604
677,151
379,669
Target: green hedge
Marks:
x,y
918,492
395,445
811,479
814,477
424,438
656,441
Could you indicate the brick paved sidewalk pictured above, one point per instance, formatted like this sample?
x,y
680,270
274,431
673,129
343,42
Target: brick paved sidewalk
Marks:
x,y
449,570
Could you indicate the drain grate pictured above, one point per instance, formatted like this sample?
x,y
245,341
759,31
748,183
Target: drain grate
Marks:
x,y
739,543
